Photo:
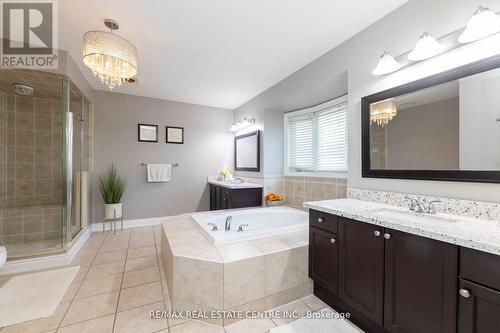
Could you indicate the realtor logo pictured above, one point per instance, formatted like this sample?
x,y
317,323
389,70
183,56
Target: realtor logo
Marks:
x,y
29,34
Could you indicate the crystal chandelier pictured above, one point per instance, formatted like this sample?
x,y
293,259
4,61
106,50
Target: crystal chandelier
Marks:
x,y
112,58
382,113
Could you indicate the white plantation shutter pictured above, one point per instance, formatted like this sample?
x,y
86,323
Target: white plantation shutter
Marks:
x,y
300,155
316,138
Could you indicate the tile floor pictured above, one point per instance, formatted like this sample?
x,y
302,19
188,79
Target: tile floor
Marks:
x,y
120,280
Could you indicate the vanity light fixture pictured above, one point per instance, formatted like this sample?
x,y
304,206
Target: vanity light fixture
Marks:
x,y
427,47
483,23
386,64
382,112
239,125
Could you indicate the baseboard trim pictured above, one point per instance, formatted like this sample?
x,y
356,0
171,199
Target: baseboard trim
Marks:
x,y
136,223
44,262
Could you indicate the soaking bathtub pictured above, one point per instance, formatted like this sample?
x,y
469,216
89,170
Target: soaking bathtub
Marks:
x,y
255,223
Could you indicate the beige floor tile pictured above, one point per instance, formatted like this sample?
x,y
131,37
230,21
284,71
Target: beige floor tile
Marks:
x,y
89,250
81,273
105,269
134,244
91,307
137,320
122,247
251,326
141,263
298,307
82,260
101,285
143,276
196,327
104,258
71,291
314,303
141,252
141,230
40,325
140,295
98,325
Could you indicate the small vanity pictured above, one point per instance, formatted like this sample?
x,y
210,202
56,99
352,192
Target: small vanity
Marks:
x,y
234,194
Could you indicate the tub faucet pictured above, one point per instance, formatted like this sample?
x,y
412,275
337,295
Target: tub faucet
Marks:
x,y
228,223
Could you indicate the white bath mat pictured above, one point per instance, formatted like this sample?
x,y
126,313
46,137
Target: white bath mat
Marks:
x,y
33,296
315,325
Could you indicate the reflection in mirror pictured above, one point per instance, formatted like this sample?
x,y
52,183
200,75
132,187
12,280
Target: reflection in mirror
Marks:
x,y
451,126
246,150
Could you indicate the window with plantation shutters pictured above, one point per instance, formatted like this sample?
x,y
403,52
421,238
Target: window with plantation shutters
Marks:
x,y
316,139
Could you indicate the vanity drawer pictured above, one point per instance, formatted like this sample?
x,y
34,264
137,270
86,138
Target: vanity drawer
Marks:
x,y
480,267
323,221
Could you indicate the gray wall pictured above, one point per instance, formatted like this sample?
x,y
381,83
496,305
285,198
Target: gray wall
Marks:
x,y
425,137
208,146
396,33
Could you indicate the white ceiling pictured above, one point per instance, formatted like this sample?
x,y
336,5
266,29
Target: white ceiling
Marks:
x,y
218,52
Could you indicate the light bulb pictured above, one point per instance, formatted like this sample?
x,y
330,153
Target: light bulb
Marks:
x,y
386,64
483,23
427,47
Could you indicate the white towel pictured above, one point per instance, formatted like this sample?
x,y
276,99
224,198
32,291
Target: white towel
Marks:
x,y
159,173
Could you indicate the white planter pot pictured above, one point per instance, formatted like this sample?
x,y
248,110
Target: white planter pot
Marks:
x,y
109,211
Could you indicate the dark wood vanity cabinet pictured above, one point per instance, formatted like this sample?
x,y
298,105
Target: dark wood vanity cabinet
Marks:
x,y
323,258
479,292
225,198
420,284
361,271
389,281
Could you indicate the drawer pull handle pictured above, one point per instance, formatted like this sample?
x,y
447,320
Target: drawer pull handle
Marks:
x,y
320,219
464,293
377,233
332,240
387,236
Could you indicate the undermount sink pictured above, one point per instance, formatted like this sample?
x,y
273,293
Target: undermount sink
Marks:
x,y
412,216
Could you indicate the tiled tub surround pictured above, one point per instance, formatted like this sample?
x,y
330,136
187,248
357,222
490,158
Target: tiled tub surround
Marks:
x,y
260,274
299,189
463,230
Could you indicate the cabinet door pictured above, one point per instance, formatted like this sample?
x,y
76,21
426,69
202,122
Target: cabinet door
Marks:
x,y
361,269
218,197
420,284
479,309
226,199
323,258
212,197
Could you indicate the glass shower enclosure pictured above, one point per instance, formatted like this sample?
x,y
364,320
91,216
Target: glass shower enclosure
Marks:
x,y
44,160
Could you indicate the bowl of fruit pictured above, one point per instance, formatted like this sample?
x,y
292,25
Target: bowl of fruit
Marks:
x,y
274,199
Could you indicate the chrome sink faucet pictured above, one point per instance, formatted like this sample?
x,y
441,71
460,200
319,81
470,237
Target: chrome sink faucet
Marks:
x,y
418,206
227,226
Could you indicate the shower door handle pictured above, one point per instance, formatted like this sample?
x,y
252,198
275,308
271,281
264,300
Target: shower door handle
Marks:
x,y
69,172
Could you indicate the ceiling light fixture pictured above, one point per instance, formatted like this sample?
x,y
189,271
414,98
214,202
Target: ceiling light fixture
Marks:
x,y
483,23
427,47
382,113
386,64
112,58
242,124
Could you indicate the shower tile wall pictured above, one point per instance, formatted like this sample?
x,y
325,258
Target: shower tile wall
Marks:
x,y
32,162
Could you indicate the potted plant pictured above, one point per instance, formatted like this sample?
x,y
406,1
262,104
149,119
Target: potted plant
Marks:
x,y
112,186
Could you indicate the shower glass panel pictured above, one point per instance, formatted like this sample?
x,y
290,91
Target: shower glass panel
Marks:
x,y
32,192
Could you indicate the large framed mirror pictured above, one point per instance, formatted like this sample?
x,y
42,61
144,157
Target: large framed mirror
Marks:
x,y
444,127
247,152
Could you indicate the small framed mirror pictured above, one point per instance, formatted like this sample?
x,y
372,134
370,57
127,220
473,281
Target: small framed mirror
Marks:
x,y
247,152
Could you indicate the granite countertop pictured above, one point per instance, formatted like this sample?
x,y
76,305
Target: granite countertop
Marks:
x,y
480,234
233,185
